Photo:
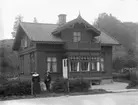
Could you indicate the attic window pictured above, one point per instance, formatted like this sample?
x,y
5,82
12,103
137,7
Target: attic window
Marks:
x,y
76,36
24,43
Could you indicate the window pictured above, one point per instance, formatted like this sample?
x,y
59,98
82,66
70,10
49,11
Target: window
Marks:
x,y
84,66
74,64
93,66
24,42
84,63
51,64
102,64
76,36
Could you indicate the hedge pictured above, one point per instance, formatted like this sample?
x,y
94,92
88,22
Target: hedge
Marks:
x,y
74,86
17,89
132,84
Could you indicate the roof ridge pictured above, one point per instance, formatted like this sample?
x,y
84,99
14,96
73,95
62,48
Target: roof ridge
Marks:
x,y
39,23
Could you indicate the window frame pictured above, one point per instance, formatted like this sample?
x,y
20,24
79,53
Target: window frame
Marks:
x,y
77,36
84,59
74,59
52,64
102,62
24,42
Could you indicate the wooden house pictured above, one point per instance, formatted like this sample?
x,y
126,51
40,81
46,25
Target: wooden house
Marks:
x,y
75,46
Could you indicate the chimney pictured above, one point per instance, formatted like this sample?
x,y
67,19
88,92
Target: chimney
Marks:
x,y
61,19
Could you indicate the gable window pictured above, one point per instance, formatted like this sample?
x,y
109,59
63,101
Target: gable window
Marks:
x,y
24,42
76,36
51,64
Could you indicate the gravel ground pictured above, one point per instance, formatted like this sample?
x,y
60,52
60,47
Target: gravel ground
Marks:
x,y
127,98
115,86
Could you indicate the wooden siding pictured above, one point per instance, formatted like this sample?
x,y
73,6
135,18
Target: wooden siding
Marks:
x,y
26,64
86,39
48,50
29,42
107,50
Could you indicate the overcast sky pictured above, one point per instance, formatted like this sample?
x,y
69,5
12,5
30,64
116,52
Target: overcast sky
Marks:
x,y
46,11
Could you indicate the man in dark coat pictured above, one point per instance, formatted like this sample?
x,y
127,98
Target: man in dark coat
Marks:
x,y
47,81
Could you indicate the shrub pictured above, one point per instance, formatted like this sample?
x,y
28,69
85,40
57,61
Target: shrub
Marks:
x,y
3,79
125,76
78,86
74,86
132,84
16,88
59,86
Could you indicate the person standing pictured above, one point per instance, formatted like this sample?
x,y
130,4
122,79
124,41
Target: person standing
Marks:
x,y
48,81
36,83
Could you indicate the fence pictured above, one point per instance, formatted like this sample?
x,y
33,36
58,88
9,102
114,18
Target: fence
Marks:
x,y
133,73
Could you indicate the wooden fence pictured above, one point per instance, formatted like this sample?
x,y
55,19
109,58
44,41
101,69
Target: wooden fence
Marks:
x,y
133,73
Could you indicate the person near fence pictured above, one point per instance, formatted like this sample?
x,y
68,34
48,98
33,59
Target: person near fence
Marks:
x,y
48,81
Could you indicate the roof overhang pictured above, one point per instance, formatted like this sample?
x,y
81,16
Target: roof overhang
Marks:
x,y
70,24
103,44
48,42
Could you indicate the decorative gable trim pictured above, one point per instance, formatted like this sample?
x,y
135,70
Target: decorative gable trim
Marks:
x,y
79,20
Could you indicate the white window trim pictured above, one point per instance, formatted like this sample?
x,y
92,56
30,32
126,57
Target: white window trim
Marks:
x,y
51,64
98,66
78,67
77,35
25,43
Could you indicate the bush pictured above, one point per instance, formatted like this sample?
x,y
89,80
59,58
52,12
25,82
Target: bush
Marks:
x,y
3,79
79,85
59,86
74,86
16,88
132,84
125,76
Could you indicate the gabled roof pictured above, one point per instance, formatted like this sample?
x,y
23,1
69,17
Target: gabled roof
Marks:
x,y
79,20
40,32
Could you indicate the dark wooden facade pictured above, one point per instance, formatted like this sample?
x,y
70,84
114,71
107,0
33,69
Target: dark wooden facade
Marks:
x,y
34,55
83,48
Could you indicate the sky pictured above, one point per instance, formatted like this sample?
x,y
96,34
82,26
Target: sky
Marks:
x,y
47,11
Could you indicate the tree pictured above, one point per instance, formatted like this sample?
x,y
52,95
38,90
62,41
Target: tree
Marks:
x,y
116,29
118,63
18,19
2,56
